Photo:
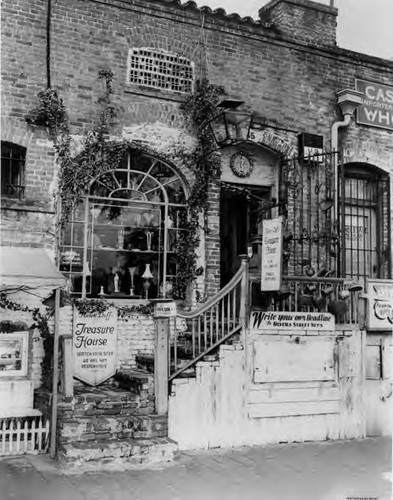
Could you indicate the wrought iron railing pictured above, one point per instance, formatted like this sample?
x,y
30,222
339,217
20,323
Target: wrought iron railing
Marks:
x,y
335,295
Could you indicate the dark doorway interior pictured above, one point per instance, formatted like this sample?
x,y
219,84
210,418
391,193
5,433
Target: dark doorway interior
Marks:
x,y
242,211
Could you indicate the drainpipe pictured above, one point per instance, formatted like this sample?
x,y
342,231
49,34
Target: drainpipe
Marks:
x,y
348,100
334,145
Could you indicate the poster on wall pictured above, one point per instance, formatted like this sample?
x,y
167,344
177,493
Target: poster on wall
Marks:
x,y
271,255
377,107
95,346
379,294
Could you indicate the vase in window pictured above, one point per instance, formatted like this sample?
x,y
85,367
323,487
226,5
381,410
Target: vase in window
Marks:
x,y
147,276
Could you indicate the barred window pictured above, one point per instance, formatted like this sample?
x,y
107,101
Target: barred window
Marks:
x,y
12,170
159,69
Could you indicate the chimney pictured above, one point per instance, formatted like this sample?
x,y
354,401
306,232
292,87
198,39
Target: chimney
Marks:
x,y
302,20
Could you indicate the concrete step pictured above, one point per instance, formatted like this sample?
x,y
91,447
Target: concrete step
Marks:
x,y
127,451
112,427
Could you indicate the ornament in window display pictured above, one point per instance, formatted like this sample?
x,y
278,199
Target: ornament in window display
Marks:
x,y
120,238
147,276
149,235
116,280
132,271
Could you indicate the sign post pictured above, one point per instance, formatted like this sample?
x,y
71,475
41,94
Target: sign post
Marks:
x,y
164,309
95,346
271,255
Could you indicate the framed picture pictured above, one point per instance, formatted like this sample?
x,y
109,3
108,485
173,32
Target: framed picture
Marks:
x,y
13,354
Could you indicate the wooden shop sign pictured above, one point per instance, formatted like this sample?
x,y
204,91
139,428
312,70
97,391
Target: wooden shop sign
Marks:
x,y
95,346
379,305
271,254
377,107
280,320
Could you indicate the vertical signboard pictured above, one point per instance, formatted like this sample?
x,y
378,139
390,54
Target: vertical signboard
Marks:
x,y
271,255
377,107
95,346
379,305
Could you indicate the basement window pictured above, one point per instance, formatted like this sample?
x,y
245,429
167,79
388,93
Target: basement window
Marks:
x,y
12,170
161,70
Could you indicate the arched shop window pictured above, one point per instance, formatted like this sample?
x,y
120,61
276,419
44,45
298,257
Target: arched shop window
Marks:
x,y
121,241
366,232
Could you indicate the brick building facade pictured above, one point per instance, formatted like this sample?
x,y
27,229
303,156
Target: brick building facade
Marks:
x,y
285,67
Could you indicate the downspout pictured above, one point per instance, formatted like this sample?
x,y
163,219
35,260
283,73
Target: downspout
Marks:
x,y
334,145
48,29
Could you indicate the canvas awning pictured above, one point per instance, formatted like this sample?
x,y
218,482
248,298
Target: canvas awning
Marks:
x,y
30,267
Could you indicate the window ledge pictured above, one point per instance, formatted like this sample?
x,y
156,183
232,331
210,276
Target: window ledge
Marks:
x,y
166,95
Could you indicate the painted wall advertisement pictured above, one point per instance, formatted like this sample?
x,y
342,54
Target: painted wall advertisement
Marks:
x,y
377,107
379,305
271,320
271,254
95,346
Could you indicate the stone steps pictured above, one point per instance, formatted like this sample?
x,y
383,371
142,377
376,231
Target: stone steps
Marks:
x,y
113,427
97,454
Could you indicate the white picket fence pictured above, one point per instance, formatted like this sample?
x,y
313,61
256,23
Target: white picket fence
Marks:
x,y
22,436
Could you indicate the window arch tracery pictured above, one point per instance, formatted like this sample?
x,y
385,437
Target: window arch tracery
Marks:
x,y
122,241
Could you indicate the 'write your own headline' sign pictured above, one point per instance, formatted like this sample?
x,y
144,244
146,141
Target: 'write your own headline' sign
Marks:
x,y
270,320
271,254
95,346
377,107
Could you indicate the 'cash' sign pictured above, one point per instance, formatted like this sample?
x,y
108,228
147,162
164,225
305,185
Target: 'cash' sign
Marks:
x,y
95,346
377,107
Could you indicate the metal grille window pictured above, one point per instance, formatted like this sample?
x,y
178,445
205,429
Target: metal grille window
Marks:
x,y
365,234
12,170
159,69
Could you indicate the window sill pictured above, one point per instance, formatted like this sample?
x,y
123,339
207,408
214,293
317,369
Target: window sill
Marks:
x,y
165,95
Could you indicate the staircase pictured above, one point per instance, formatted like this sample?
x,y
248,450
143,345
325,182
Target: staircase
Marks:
x,y
113,424
198,334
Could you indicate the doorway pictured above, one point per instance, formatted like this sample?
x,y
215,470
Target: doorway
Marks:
x,y
242,210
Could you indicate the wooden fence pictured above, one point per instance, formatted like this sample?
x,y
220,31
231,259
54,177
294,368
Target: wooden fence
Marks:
x,y
20,436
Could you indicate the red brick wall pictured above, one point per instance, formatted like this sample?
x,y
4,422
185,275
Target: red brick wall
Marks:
x,y
287,82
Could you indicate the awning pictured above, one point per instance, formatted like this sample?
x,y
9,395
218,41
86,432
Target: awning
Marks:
x,y
27,266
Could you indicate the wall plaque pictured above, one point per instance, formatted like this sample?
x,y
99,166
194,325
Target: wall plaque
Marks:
x,y
95,346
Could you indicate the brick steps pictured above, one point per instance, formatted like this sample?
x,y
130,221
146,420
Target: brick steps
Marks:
x,y
126,451
113,427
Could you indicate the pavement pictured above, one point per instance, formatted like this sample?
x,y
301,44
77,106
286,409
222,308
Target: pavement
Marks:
x,y
333,470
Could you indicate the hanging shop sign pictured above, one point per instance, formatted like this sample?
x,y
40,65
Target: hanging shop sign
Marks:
x,y
95,346
271,255
379,295
279,320
377,107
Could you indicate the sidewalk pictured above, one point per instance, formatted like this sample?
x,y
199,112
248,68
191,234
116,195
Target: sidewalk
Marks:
x,y
309,471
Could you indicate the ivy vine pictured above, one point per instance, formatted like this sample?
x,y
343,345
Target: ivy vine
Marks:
x,y
100,155
95,307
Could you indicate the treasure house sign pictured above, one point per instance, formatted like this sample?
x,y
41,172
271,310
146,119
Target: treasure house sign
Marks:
x,y
95,346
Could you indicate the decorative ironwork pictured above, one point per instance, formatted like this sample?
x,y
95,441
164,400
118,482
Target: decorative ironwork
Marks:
x,y
306,199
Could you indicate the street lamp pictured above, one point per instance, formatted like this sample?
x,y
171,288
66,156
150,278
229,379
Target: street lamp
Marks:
x,y
230,126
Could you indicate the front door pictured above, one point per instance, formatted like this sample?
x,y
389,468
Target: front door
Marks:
x,y
242,211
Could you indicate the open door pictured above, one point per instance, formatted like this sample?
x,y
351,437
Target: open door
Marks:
x,y
241,218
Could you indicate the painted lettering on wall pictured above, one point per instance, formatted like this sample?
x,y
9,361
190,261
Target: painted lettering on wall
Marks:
x,y
95,346
377,107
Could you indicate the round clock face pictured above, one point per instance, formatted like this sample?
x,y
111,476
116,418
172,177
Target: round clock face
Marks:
x,y
241,165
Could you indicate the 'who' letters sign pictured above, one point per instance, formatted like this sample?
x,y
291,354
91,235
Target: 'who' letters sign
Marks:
x,y
377,107
271,254
95,346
